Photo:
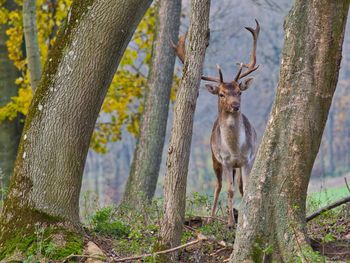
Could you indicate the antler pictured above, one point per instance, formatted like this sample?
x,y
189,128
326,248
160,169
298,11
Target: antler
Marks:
x,y
251,66
180,47
180,51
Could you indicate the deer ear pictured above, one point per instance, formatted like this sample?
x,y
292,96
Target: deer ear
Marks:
x,y
245,84
212,89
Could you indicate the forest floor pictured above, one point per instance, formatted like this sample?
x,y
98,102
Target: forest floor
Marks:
x,y
121,234
203,242
330,237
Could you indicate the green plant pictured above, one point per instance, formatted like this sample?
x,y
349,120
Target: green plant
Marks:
x,y
103,222
197,204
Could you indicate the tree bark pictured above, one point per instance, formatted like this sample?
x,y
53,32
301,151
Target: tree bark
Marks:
x,y
31,42
10,131
272,215
47,177
181,135
143,177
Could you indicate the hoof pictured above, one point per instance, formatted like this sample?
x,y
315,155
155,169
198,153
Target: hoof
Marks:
x,y
231,225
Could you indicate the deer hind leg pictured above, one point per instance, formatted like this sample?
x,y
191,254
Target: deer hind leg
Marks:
x,y
218,172
230,174
240,180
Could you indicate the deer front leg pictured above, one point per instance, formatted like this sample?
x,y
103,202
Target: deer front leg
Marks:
x,y
218,172
229,174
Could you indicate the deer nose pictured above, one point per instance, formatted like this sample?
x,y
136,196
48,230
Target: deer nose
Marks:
x,y
235,107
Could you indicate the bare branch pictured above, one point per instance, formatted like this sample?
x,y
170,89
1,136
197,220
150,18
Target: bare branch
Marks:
x,y
328,207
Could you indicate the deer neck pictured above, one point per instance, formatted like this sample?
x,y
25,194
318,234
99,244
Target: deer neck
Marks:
x,y
231,130
230,120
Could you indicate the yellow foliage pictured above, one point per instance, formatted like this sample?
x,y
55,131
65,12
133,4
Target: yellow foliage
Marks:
x,y
124,102
47,20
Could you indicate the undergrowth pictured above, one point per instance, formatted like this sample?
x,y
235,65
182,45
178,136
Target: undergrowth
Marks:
x,y
130,232
135,232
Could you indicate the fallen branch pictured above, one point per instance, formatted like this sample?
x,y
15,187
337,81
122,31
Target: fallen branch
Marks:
x,y
220,250
200,238
102,258
328,207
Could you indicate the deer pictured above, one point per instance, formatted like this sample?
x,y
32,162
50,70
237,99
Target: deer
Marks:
x,y
233,139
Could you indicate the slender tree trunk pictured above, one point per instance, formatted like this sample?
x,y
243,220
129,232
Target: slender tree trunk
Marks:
x,y
31,40
47,177
330,136
144,171
272,214
181,134
10,131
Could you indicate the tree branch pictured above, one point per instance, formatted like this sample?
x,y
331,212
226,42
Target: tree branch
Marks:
x,y
200,238
327,208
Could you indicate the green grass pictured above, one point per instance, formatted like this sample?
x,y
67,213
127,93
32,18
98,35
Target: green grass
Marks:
x,y
329,195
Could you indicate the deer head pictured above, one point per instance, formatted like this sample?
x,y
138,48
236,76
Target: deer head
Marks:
x,y
229,93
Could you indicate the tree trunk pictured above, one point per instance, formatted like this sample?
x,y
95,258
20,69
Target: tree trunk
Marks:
x,y
181,134
10,131
143,177
31,41
330,136
272,215
47,177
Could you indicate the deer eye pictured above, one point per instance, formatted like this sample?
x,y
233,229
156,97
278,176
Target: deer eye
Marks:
x,y
239,93
221,95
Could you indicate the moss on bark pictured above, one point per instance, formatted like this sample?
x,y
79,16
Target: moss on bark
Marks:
x,y
53,242
45,186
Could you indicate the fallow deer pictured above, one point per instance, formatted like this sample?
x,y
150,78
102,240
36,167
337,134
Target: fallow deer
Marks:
x,y
233,139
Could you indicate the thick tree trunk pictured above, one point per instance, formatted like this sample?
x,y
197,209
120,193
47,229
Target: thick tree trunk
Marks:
x,y
10,131
273,209
47,178
144,171
31,40
181,134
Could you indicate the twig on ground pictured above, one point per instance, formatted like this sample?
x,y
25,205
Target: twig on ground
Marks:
x,y
190,229
328,207
102,258
220,250
199,239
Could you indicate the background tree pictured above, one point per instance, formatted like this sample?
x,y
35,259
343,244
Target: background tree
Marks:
x,y
10,131
46,182
181,134
31,41
144,171
272,214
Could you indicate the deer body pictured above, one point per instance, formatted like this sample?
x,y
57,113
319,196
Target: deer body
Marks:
x,y
233,138
233,145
